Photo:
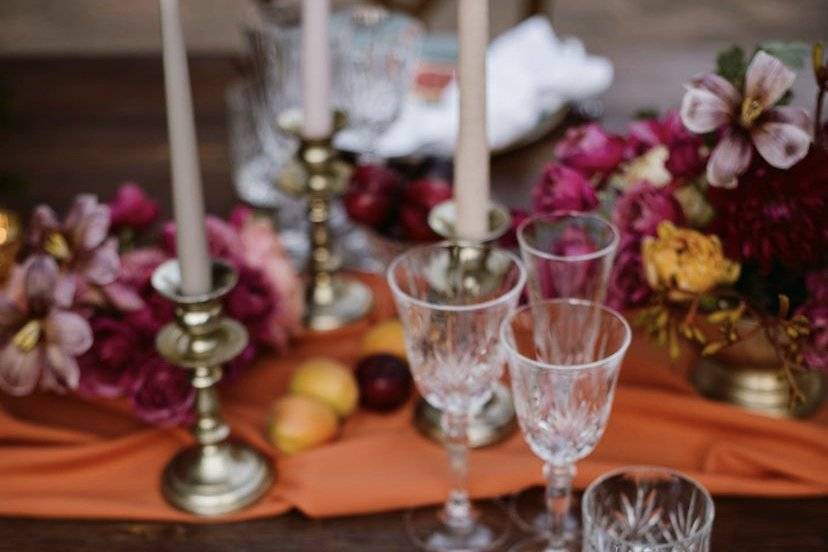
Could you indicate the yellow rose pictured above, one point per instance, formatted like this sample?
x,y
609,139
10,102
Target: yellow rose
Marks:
x,y
685,263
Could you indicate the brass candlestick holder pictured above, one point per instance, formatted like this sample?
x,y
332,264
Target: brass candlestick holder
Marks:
x,y
496,420
319,175
214,476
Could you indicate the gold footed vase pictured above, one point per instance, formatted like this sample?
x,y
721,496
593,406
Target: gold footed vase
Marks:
x,y
747,374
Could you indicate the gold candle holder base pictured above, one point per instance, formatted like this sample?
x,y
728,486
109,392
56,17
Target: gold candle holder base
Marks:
x,y
215,476
496,420
318,174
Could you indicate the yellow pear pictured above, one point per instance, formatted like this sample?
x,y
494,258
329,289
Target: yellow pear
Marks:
x,y
328,381
299,423
386,337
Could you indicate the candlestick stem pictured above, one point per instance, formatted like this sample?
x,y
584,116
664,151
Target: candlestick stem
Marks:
x,y
214,476
319,175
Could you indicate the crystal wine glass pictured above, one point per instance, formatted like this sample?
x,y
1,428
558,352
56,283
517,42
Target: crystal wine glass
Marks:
x,y
379,69
451,299
568,254
564,357
647,509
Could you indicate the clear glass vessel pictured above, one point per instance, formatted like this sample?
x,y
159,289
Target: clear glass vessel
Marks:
x,y
451,299
568,254
564,357
647,509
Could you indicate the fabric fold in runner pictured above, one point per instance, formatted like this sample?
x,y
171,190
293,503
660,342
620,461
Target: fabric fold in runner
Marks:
x,y
61,456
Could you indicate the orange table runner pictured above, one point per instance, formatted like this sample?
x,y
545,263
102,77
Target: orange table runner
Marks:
x,y
64,457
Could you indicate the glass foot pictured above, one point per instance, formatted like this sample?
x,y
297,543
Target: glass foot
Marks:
x,y
528,511
542,544
425,527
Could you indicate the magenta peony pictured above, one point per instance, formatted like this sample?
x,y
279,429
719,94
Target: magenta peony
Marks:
x,y
263,251
686,152
590,149
641,208
628,286
131,208
110,368
164,395
778,215
563,189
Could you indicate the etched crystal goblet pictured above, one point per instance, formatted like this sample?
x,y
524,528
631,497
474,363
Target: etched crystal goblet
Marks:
x,y
451,299
646,509
564,357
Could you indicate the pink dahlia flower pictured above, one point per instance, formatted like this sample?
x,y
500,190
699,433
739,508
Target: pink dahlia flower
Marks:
x,y
563,189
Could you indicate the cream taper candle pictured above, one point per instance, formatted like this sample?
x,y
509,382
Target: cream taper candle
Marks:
x,y
471,158
188,199
316,69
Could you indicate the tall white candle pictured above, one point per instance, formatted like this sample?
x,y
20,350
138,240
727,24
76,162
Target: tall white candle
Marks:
x,y
188,199
471,159
316,69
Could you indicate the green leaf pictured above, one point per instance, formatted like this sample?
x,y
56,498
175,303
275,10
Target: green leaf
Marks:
x,y
732,65
792,54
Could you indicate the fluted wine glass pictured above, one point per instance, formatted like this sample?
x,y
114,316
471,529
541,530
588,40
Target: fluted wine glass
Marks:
x,y
647,509
564,357
568,254
451,299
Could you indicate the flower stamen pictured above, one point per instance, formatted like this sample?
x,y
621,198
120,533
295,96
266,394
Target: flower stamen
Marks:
x,y
57,246
751,109
27,337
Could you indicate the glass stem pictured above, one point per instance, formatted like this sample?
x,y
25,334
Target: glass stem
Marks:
x,y
458,511
558,502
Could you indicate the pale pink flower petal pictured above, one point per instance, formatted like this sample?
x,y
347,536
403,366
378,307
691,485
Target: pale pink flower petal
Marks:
x,y
19,371
767,79
44,221
703,111
40,281
69,331
719,86
123,297
92,229
782,145
103,266
82,206
65,290
792,115
60,370
729,159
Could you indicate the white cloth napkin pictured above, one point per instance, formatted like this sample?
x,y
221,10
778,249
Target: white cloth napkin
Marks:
x,y
531,73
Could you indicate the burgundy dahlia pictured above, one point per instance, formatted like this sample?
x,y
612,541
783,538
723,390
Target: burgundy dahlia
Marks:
x,y
778,215
164,396
110,367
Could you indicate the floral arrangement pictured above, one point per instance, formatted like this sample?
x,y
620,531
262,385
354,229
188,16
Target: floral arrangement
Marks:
x,y
79,313
721,207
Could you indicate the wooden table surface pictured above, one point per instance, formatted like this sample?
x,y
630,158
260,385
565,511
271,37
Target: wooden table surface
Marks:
x,y
87,125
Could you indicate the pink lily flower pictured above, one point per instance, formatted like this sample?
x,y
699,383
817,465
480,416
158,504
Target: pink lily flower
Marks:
x,y
781,134
39,337
85,251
